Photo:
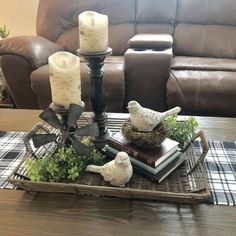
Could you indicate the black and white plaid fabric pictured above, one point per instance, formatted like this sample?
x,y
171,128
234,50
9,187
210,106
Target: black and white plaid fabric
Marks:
x,y
220,165
11,152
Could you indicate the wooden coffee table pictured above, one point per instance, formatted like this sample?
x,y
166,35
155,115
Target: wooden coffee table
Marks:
x,y
32,214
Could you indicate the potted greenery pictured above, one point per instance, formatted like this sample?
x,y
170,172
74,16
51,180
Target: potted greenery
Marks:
x,y
181,130
62,166
4,32
59,150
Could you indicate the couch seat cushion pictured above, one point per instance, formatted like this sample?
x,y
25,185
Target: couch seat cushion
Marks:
x,y
113,84
203,63
200,92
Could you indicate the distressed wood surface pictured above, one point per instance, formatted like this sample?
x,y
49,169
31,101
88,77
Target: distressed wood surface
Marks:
x,y
215,128
68,215
22,213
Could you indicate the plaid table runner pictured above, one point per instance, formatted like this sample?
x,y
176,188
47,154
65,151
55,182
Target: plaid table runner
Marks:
x,y
11,152
220,165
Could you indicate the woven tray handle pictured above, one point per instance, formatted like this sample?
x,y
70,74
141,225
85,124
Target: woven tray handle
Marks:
x,y
205,148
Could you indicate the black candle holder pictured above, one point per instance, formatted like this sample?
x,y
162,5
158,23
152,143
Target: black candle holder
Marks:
x,y
97,97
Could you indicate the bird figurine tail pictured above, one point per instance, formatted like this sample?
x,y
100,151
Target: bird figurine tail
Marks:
x,y
93,168
171,112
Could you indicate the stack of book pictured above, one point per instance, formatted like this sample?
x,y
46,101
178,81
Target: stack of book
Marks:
x,y
156,164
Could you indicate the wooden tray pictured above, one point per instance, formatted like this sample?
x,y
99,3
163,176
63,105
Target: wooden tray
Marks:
x,y
186,184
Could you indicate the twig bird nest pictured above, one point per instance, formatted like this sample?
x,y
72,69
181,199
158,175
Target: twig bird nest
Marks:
x,y
146,140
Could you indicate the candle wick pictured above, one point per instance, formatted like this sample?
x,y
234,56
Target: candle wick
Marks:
x,y
92,21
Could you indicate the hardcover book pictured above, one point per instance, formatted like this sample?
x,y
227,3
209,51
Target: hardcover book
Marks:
x,y
150,157
167,170
113,152
162,170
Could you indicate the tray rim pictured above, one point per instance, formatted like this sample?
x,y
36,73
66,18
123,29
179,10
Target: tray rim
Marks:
x,y
104,191
110,191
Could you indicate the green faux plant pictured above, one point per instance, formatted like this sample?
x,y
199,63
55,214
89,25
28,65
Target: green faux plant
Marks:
x,y
62,166
181,131
4,32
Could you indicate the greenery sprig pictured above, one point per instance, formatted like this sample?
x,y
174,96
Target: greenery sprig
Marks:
x,y
62,166
181,131
4,32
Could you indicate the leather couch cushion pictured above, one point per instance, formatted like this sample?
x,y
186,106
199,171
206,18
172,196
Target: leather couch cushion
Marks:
x,y
203,92
154,28
62,27
119,12
40,83
210,12
153,11
203,63
155,16
69,39
113,79
119,36
205,40
206,28
114,88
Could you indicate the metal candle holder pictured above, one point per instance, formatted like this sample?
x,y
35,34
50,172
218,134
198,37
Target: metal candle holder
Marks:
x,y
97,97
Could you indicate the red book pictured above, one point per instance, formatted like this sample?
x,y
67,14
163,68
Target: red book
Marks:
x,y
150,157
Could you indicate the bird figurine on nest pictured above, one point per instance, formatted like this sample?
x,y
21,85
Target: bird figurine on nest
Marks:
x,y
118,171
145,119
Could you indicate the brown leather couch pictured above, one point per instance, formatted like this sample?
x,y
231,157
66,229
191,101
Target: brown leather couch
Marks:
x,y
195,70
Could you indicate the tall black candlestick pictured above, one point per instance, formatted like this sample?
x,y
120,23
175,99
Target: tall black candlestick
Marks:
x,y
97,97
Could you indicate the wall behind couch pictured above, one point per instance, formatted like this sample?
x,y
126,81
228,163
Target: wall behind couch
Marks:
x,y
19,16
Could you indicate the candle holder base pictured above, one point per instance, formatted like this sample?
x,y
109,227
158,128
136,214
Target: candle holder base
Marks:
x,y
101,140
104,132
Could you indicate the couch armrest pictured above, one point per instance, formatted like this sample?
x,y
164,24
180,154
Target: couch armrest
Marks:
x,y
34,49
146,73
151,41
20,56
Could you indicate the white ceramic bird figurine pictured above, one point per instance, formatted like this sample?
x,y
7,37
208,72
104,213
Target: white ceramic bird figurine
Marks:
x,y
118,171
145,119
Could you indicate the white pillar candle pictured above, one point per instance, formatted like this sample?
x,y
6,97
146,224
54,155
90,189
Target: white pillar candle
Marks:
x,y
93,31
64,68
